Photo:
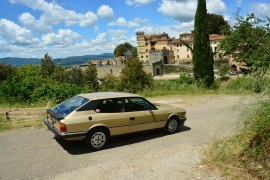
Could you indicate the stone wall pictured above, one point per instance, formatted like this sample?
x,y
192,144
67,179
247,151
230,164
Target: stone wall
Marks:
x,y
115,70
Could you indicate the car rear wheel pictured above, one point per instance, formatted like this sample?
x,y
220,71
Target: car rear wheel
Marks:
x,y
97,139
171,125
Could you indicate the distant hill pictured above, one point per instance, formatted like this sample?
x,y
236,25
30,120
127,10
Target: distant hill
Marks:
x,y
68,61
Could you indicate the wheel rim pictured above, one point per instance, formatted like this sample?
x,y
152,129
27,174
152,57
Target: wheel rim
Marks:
x,y
172,125
98,139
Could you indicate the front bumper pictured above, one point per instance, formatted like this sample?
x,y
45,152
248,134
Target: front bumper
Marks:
x,y
63,135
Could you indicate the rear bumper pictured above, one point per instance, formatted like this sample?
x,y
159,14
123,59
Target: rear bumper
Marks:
x,y
63,135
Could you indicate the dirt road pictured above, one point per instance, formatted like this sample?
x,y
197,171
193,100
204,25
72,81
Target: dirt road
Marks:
x,y
35,154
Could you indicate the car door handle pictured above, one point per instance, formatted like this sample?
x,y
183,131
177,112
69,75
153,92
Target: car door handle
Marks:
x,y
132,118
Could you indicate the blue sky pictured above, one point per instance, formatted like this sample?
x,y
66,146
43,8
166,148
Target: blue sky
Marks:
x,y
63,28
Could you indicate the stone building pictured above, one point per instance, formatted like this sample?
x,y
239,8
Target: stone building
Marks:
x,y
151,49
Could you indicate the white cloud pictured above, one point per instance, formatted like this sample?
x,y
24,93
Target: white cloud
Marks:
x,y
96,29
4,46
31,23
150,29
138,2
124,23
100,39
105,12
171,30
16,34
117,32
216,7
261,9
186,9
239,2
64,38
54,14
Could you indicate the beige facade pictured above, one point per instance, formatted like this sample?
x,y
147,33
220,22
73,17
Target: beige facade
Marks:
x,y
160,42
147,44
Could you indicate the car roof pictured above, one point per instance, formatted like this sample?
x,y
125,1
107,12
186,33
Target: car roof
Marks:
x,y
105,95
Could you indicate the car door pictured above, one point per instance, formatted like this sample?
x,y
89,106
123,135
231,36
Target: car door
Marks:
x,y
140,114
111,114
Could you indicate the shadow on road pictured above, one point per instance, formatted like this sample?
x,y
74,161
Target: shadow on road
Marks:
x,y
78,147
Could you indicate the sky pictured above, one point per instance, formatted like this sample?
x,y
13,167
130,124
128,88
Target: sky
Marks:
x,y
64,28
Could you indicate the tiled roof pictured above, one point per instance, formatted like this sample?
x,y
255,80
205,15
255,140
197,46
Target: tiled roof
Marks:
x,y
183,34
216,37
155,35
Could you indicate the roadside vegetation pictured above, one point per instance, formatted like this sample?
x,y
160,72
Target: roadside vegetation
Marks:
x,y
246,154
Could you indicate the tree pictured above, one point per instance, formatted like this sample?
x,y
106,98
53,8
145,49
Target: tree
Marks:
x,y
133,78
46,66
122,49
202,53
248,42
7,71
90,74
217,24
58,74
74,76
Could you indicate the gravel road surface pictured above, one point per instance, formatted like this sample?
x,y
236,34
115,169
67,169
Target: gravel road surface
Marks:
x,y
35,154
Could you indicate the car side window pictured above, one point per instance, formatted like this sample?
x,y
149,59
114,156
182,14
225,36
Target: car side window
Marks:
x,y
137,104
112,105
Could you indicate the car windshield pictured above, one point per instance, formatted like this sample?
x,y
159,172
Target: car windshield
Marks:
x,y
70,105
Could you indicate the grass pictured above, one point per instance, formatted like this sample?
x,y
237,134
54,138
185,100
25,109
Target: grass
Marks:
x,y
7,124
245,155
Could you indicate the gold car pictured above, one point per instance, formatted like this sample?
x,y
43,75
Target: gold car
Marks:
x,y
94,117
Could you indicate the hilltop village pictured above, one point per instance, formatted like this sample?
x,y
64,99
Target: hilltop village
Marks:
x,y
159,50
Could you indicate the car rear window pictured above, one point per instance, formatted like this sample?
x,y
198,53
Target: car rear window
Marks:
x,y
70,105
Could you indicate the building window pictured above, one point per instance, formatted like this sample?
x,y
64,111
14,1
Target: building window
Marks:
x,y
215,49
187,49
145,44
177,56
142,57
180,45
176,45
146,56
187,56
177,50
146,50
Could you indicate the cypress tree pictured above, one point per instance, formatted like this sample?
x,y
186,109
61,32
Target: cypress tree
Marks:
x,y
202,53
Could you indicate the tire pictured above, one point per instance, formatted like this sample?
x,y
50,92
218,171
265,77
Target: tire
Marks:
x,y
171,126
97,139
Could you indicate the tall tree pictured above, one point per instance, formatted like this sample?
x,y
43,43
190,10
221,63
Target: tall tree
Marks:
x,y
133,78
74,76
202,53
248,42
46,66
123,49
90,74
58,74
218,25
7,71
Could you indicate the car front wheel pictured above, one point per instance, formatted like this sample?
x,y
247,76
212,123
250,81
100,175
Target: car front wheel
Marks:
x,y
97,139
171,125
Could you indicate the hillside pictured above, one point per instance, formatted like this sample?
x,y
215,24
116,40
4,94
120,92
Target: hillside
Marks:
x,y
68,61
